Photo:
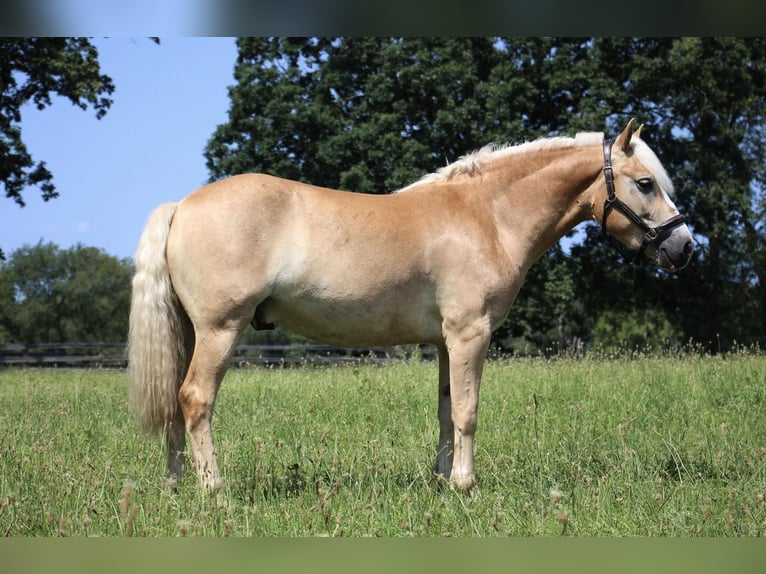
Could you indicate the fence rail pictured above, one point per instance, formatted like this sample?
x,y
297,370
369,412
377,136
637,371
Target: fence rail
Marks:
x,y
113,355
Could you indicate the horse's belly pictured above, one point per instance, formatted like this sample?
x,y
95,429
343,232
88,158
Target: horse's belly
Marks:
x,y
351,323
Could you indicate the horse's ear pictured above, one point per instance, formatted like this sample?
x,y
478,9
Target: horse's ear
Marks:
x,y
637,133
623,140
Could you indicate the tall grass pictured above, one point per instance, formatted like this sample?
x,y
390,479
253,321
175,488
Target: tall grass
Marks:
x,y
593,447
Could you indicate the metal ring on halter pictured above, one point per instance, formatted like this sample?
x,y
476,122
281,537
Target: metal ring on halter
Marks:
x,y
651,234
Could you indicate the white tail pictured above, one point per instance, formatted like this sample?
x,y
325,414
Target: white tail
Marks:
x,y
156,348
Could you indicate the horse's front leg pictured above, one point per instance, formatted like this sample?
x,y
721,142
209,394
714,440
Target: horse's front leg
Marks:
x,y
444,451
467,350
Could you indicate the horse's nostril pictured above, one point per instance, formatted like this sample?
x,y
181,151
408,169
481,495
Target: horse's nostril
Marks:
x,y
688,248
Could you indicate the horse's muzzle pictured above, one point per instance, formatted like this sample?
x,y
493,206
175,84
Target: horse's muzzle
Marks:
x,y
675,251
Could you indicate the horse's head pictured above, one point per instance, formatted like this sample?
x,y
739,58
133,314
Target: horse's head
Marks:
x,y
639,219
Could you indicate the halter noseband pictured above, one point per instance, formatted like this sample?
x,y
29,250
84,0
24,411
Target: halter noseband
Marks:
x,y
651,234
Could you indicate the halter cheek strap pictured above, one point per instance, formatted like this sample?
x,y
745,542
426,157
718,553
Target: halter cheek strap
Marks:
x,y
652,235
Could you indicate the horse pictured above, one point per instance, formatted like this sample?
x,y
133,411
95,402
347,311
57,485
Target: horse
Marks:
x,y
438,262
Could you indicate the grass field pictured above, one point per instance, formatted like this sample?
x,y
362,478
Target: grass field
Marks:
x,y
643,447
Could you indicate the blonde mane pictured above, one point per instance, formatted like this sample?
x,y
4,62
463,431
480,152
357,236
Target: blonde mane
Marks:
x,y
472,163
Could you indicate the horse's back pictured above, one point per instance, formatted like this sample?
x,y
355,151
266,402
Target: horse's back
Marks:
x,y
249,213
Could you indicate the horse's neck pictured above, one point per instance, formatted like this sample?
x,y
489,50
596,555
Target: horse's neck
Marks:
x,y
538,202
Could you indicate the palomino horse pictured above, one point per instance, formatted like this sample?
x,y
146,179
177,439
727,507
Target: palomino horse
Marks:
x,y
438,262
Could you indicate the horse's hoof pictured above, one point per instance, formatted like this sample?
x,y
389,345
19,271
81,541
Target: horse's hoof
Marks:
x,y
463,483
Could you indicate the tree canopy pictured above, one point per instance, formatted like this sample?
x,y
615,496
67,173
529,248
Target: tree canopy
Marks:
x,y
32,70
49,294
374,114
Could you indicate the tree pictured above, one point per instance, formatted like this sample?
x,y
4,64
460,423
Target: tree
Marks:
x,y
79,294
364,114
373,114
32,70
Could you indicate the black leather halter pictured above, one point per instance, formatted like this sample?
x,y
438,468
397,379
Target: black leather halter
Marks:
x,y
652,235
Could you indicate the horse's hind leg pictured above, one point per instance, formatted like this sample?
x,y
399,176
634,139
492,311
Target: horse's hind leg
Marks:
x,y
175,435
175,432
197,398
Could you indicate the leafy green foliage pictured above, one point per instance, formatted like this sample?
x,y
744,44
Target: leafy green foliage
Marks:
x,y
79,294
634,329
31,71
373,114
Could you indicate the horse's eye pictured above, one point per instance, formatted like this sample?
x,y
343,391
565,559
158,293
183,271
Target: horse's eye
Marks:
x,y
645,184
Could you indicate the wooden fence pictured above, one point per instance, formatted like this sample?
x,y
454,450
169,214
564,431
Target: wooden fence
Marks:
x,y
113,355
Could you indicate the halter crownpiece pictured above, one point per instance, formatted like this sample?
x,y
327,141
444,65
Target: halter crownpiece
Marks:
x,y
652,235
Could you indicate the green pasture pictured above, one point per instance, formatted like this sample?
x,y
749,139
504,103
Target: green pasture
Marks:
x,y
592,447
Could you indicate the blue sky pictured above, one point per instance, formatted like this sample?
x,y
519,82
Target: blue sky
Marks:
x,y
147,150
